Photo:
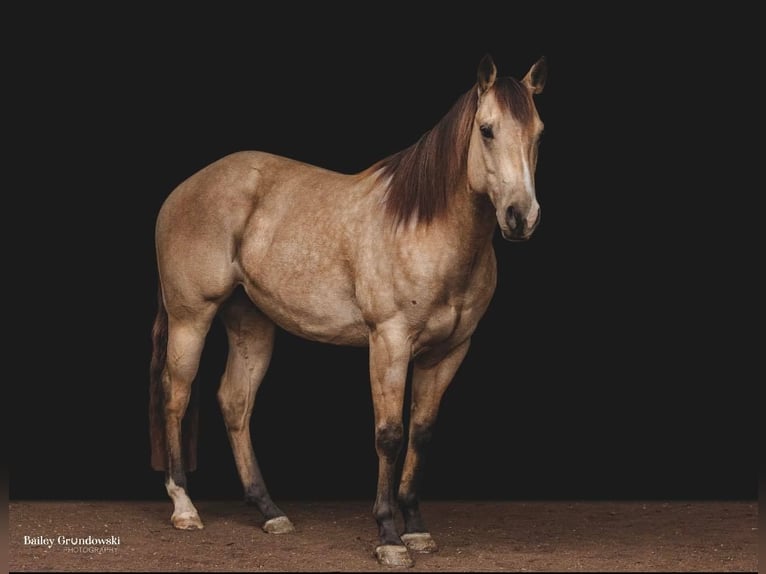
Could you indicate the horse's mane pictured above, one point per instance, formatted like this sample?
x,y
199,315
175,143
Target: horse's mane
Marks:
x,y
423,175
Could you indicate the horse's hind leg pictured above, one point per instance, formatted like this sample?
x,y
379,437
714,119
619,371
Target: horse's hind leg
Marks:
x,y
186,337
251,340
429,381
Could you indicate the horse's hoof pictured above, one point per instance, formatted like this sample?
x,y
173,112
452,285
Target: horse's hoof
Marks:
x,y
278,525
393,555
419,542
187,521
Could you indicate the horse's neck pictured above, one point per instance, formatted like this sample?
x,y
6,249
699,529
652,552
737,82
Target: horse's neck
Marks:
x,y
470,217
468,222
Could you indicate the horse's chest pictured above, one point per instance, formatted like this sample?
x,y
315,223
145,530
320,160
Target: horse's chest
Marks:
x,y
439,325
453,317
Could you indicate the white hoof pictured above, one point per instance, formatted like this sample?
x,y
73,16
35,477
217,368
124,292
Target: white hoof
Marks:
x,y
393,555
187,521
419,542
278,525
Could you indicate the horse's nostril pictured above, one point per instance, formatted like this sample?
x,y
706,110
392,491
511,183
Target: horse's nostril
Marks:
x,y
510,218
514,219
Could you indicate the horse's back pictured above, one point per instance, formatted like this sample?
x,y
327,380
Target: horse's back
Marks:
x,y
225,192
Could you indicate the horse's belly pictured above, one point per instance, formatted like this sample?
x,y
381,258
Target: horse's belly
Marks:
x,y
315,314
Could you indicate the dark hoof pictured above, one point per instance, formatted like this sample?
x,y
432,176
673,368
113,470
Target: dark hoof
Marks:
x,y
394,556
419,542
278,525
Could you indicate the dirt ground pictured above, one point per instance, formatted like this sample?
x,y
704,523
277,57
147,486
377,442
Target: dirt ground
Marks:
x,y
340,537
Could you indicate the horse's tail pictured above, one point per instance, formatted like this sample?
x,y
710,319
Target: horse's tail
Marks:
x,y
189,427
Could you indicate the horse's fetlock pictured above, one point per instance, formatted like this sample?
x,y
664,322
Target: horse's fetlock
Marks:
x,y
408,499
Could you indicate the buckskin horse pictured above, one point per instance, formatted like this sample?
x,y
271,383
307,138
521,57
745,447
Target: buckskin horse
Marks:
x,y
398,258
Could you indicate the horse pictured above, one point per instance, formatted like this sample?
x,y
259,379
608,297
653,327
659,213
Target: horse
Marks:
x,y
398,258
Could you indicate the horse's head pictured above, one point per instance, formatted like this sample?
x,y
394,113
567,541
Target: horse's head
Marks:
x,y
502,153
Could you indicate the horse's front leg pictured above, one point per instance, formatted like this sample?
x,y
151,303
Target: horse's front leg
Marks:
x,y
429,381
389,357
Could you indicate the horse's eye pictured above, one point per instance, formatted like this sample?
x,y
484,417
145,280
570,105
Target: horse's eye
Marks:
x,y
486,131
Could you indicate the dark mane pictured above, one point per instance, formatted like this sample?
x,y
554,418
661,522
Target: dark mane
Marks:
x,y
424,174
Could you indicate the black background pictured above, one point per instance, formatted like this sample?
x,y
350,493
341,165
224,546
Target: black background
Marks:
x,y
609,364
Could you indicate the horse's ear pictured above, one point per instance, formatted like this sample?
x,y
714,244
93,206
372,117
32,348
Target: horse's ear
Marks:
x,y
535,78
486,74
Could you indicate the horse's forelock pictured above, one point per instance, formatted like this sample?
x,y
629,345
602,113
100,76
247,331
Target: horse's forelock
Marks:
x,y
514,97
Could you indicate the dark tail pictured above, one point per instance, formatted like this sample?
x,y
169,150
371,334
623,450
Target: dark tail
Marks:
x,y
190,426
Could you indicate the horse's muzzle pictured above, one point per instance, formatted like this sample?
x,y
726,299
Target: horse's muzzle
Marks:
x,y
518,229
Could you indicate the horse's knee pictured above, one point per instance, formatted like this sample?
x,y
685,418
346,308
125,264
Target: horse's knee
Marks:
x,y
420,436
388,439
